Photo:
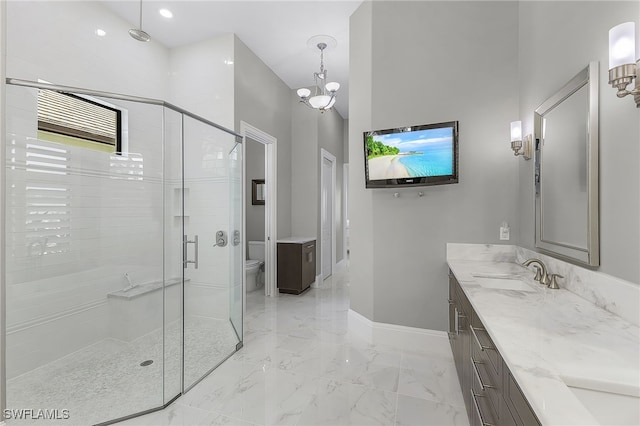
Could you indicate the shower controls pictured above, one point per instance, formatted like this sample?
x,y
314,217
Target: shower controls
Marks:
x,y
221,239
185,252
236,237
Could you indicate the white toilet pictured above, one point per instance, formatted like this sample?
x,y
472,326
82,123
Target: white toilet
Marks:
x,y
253,266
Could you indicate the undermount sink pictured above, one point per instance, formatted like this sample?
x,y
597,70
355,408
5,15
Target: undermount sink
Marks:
x,y
609,404
496,276
502,282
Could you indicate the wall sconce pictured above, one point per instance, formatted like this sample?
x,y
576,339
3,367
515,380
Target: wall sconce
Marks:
x,y
516,141
624,65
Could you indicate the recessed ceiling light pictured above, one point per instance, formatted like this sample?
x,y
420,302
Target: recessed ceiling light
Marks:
x,y
166,13
100,32
228,62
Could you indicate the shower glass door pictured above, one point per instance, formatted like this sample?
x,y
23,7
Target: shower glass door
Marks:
x,y
211,248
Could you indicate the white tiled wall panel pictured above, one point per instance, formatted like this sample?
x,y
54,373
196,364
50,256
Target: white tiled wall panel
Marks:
x,y
77,221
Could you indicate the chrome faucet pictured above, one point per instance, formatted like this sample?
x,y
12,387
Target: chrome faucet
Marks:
x,y
542,275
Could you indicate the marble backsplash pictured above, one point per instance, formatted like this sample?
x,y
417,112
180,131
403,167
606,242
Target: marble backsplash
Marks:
x,y
485,252
615,295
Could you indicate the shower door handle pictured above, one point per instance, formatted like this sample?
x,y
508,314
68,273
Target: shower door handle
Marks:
x,y
185,254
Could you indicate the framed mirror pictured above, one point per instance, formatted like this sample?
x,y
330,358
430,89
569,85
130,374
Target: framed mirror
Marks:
x,y
566,171
257,192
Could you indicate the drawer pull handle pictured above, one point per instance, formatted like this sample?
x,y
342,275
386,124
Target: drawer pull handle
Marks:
x,y
477,374
458,315
451,301
477,407
475,336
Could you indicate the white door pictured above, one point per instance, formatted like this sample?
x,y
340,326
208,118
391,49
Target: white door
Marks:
x,y
327,217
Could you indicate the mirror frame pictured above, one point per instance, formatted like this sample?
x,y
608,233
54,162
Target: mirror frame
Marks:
x,y
254,192
590,256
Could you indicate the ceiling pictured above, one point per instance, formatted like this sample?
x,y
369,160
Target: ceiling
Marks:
x,y
276,31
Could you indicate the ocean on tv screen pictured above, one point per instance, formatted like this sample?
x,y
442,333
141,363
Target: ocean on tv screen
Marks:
x,y
421,153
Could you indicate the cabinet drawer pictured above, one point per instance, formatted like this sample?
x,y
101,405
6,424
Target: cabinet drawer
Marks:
x,y
518,405
480,339
482,412
494,374
485,381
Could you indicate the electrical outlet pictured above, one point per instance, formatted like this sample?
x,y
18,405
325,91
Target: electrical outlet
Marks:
x,y
504,233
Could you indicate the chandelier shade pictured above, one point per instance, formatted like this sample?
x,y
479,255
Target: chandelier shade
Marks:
x,y
320,101
332,87
304,92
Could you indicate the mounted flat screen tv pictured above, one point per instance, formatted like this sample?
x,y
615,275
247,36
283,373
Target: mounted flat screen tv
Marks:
x,y
412,156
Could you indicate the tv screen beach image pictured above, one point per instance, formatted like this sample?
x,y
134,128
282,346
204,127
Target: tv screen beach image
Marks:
x,y
421,153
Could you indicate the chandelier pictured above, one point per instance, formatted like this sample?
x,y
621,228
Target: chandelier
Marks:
x,y
324,93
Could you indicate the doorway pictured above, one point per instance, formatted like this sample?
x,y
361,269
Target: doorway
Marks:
x,y
327,213
270,203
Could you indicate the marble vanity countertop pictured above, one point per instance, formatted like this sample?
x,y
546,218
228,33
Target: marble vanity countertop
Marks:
x,y
296,240
549,338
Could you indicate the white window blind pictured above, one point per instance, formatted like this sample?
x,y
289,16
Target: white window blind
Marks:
x,y
73,116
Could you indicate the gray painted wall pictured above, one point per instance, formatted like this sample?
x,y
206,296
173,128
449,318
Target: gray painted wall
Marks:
x,y
304,170
411,43
310,132
345,136
581,28
255,214
360,200
264,101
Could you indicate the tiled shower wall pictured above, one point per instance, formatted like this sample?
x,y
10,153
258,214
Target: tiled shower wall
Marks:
x,y
78,220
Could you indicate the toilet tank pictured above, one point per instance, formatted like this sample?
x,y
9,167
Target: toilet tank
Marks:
x,y
256,250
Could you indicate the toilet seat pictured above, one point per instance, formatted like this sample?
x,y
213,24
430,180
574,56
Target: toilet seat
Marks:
x,y
250,263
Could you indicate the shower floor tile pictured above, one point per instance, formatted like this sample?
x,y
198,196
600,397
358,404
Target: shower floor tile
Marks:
x,y
105,381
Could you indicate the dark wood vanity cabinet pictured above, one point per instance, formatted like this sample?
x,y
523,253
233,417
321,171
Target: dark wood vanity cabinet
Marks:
x,y
459,337
296,266
491,394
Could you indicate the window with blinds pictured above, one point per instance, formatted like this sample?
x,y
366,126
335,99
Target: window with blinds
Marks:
x,y
70,119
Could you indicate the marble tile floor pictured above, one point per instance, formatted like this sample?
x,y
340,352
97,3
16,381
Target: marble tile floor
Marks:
x,y
301,366
105,380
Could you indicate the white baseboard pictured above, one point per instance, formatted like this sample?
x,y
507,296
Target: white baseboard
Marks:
x,y
400,336
317,282
341,265
360,325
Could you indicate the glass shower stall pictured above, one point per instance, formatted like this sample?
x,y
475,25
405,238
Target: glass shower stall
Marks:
x,y
123,264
